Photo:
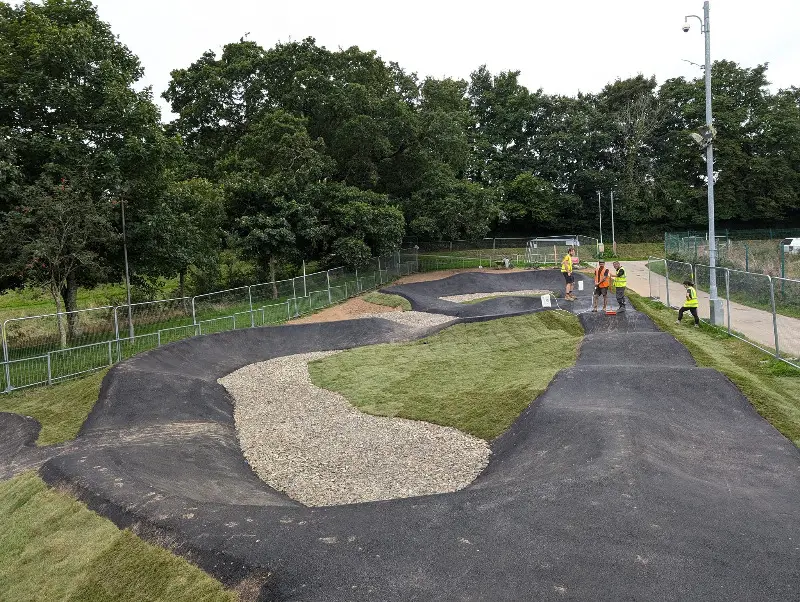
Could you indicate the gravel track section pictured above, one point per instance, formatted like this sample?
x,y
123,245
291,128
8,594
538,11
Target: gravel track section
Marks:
x,y
473,296
316,447
418,320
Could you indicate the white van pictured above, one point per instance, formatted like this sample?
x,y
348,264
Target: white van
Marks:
x,y
791,245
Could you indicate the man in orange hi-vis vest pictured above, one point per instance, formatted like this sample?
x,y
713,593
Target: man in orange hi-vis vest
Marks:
x,y
602,280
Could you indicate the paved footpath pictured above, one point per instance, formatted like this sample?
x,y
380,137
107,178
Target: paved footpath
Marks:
x,y
755,324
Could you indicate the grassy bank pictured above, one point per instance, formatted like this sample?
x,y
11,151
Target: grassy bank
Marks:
x,y
773,387
476,377
54,548
388,300
61,409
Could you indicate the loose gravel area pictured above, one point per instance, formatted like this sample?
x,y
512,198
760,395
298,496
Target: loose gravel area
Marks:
x,y
473,296
418,320
316,447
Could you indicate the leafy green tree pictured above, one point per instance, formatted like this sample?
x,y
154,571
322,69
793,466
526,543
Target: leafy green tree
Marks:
x,y
68,111
266,178
54,227
184,230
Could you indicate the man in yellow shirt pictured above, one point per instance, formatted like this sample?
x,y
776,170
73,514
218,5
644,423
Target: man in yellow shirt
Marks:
x,y
566,270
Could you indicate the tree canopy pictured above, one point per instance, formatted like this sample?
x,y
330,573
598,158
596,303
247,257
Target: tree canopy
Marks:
x,y
299,152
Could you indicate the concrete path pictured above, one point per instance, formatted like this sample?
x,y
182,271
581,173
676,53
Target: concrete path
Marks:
x,y
635,476
755,324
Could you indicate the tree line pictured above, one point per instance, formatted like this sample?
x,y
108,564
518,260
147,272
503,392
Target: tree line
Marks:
x,y
298,152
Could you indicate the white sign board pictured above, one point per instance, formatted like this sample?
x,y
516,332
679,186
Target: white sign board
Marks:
x,y
546,301
580,285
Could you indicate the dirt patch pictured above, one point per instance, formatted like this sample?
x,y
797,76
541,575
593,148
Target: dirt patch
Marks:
x,y
352,308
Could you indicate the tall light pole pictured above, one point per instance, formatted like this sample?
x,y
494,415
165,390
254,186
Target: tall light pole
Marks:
x,y
600,210
715,304
613,235
127,277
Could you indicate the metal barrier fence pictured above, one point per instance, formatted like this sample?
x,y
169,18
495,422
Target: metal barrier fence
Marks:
x,y
40,350
759,309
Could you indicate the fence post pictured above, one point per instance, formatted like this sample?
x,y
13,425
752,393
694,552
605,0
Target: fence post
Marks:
x,y
116,334
288,310
728,296
666,277
649,279
358,288
50,368
774,316
250,301
110,357
5,356
380,276
158,337
194,316
328,276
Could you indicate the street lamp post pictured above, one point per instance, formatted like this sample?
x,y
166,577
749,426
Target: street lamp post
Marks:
x,y
600,210
127,277
613,235
715,304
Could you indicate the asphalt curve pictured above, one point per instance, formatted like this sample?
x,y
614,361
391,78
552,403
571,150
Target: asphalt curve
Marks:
x,y
636,475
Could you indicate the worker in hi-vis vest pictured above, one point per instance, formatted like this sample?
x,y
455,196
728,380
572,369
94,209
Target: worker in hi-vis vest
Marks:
x,y
620,284
690,304
566,270
602,280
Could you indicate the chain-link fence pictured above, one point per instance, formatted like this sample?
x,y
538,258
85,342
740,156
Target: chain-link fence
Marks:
x,y
757,308
521,252
772,252
45,349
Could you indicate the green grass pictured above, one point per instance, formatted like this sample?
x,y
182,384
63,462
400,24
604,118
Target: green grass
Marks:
x,y
772,386
487,298
476,377
61,409
53,548
34,301
388,300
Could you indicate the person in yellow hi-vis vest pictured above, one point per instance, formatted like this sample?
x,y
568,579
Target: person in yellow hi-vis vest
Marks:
x,y
566,270
690,304
620,284
602,280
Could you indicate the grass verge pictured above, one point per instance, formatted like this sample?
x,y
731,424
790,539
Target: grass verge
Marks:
x,y
773,387
61,409
54,548
388,300
476,377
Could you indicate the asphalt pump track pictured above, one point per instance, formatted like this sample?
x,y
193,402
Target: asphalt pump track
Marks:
x,y
635,476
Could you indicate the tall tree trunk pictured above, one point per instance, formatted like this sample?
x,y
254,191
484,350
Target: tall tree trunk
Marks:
x,y
272,277
182,287
70,295
62,331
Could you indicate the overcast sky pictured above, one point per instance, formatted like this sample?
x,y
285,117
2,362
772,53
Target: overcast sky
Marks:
x,y
560,46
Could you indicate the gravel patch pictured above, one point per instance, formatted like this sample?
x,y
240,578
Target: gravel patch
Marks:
x,y
473,296
417,320
316,447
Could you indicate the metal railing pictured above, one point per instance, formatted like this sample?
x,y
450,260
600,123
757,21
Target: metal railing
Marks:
x,y
42,350
759,309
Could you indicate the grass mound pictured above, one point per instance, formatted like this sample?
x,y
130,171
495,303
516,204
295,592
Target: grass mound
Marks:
x,y
54,548
388,300
61,409
476,377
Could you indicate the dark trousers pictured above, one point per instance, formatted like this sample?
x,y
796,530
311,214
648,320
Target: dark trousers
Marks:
x,y
691,310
